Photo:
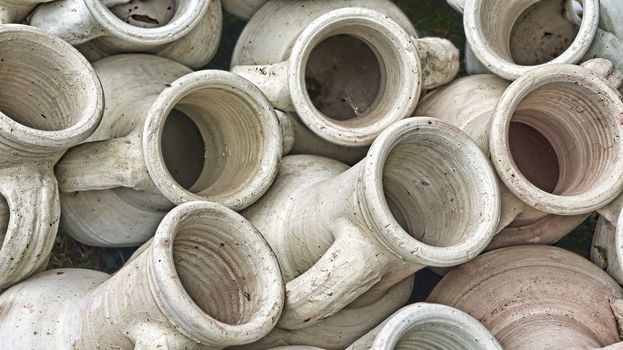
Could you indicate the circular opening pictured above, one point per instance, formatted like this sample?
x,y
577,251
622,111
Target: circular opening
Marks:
x,y
433,189
562,139
541,33
216,138
351,76
4,219
218,269
343,77
444,334
145,13
43,86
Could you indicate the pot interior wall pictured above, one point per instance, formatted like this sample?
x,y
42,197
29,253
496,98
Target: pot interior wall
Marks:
x,y
145,13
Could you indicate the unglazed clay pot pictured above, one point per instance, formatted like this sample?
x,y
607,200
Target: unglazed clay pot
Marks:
x,y
51,100
347,72
513,37
243,8
608,240
168,136
15,11
554,137
428,326
424,195
338,331
206,281
187,31
536,297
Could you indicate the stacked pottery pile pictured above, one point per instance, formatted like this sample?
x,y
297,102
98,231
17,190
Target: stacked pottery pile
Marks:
x,y
289,202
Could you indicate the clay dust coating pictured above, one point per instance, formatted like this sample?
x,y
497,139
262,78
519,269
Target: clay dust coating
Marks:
x,y
208,135
175,292
187,31
51,100
388,209
343,77
528,298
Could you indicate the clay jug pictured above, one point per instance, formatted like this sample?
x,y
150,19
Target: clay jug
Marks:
x,y
428,326
341,329
168,136
207,280
51,100
536,32
186,31
346,72
424,195
15,11
554,137
536,297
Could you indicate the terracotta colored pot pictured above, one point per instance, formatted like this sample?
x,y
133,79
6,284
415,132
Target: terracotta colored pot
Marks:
x,y
424,195
168,136
554,137
536,297
347,72
207,280
51,100
428,326
186,31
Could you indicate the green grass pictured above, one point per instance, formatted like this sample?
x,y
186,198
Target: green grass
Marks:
x,y
430,18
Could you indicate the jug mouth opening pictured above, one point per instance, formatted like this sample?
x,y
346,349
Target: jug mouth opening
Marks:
x,y
512,40
417,325
555,140
214,276
185,17
430,192
213,136
52,98
353,72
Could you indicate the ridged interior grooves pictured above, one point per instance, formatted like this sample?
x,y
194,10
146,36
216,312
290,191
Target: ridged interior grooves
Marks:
x,y
41,87
432,189
232,138
391,74
576,124
437,335
500,23
343,77
218,270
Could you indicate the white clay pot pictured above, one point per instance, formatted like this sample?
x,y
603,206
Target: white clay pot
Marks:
x,y
536,297
243,8
338,331
555,140
186,31
207,280
168,136
345,235
15,11
513,37
51,100
428,326
347,72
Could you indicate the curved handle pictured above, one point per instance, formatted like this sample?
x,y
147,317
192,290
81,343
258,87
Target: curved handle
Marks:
x,y
34,210
156,336
608,46
347,269
439,59
605,69
272,79
105,164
